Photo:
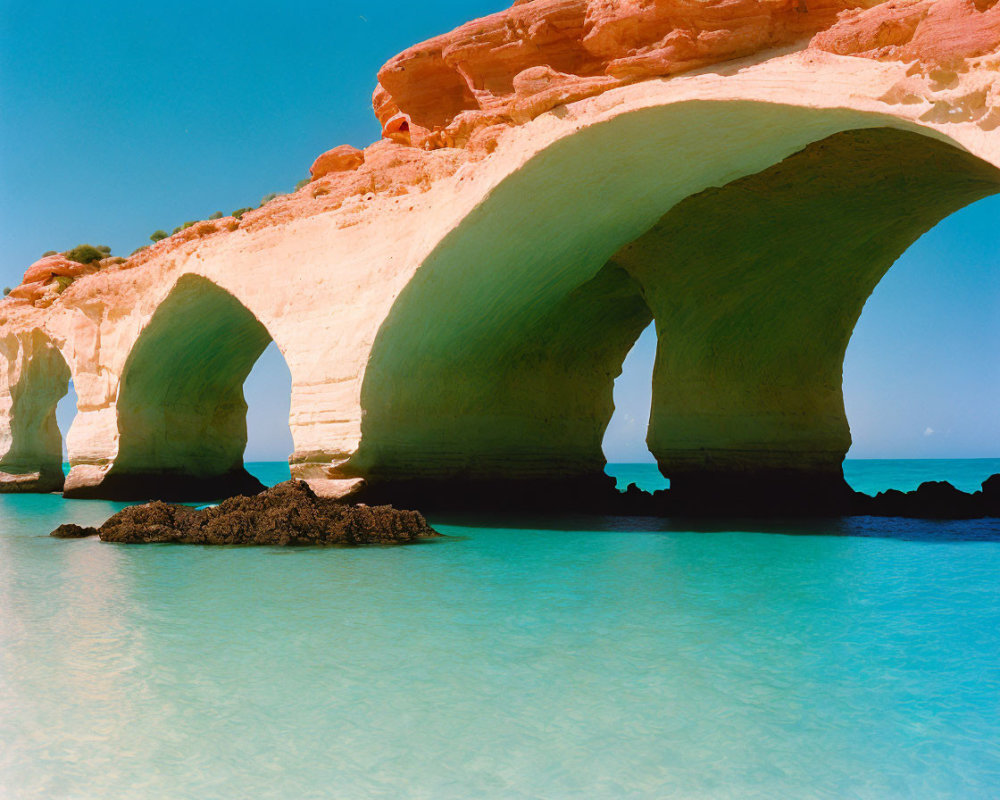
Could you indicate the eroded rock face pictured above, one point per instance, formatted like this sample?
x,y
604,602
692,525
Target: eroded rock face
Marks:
x,y
41,283
287,514
514,65
448,300
939,33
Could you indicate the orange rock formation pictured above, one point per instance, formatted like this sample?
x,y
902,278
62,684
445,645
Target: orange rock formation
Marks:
x,y
940,33
514,65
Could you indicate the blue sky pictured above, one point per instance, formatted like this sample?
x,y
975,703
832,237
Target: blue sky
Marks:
x,y
117,119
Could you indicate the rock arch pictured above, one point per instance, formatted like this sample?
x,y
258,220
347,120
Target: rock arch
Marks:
x,y
454,303
36,377
180,407
484,348
757,287
524,405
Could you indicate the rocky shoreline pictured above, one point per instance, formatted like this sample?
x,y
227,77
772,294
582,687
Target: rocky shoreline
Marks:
x,y
820,498
932,500
289,514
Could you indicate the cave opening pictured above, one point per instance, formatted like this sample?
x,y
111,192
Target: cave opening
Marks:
x,y
66,410
629,459
268,394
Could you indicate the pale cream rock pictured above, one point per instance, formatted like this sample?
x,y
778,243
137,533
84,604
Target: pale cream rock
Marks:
x,y
461,312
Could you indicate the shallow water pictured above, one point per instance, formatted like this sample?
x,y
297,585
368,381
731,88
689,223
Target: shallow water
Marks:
x,y
604,660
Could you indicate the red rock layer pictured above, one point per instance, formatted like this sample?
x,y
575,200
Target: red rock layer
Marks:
x,y
934,32
511,66
41,277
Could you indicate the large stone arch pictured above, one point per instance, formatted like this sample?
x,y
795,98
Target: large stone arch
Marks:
x,y
757,287
180,407
485,369
36,377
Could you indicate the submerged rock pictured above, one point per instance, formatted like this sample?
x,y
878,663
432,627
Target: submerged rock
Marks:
x,y
287,514
71,531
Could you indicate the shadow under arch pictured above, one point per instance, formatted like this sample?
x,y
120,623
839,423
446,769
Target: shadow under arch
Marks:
x,y
33,461
181,410
751,232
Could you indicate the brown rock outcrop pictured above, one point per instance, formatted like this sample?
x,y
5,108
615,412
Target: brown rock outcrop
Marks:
x,y
71,531
287,514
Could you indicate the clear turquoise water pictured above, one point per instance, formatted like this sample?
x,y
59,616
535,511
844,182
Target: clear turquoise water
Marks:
x,y
600,660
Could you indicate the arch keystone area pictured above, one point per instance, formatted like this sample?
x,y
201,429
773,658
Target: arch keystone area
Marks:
x,y
455,301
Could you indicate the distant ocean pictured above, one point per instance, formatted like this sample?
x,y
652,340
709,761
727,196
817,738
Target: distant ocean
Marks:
x,y
558,658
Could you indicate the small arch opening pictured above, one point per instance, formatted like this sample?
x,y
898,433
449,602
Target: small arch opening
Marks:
x,y
629,460
66,410
921,376
268,393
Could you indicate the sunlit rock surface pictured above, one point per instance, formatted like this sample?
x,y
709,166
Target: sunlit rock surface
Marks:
x,y
455,301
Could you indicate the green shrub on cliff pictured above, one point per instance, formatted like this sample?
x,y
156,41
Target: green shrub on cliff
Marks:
x,y
158,236
216,215
185,226
239,212
48,253
303,182
87,253
267,198
63,282
6,291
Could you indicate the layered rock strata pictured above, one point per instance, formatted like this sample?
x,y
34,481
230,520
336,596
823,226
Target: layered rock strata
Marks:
x,y
455,301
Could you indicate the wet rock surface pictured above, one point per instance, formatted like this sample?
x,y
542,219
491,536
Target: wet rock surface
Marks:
x,y
71,531
287,514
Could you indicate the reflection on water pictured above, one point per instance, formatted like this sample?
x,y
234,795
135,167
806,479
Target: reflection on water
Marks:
x,y
501,662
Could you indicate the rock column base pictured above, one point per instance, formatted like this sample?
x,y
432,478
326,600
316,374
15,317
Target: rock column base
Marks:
x,y
175,487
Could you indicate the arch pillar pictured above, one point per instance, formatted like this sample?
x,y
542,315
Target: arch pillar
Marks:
x,y
756,288
512,409
34,379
